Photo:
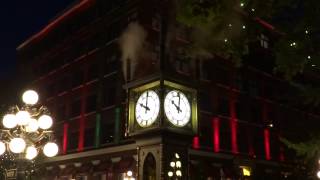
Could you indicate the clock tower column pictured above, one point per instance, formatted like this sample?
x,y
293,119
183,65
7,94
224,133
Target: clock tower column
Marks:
x,y
162,119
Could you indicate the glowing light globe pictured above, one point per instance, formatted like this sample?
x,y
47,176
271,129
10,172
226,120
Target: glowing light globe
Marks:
x,y
170,173
2,148
45,122
172,164
23,118
318,174
50,149
9,121
178,164
17,145
31,152
30,97
178,173
129,173
32,126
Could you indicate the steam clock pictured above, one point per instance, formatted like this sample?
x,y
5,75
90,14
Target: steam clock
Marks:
x,y
162,118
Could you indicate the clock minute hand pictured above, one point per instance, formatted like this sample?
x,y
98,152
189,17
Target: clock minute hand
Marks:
x,y
147,102
177,107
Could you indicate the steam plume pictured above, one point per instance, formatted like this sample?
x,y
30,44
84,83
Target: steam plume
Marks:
x,y
132,45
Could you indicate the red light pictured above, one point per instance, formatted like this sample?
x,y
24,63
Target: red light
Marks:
x,y
216,134
267,143
65,138
196,143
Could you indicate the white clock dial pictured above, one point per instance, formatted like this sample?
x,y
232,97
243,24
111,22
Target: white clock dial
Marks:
x,y
147,108
177,108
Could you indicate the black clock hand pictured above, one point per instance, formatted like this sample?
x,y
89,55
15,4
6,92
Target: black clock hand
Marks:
x,y
179,101
147,102
177,107
146,107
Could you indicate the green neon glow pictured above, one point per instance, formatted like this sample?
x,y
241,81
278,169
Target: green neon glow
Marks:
x,y
98,130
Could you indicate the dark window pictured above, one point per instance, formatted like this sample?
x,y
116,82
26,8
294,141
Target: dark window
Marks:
x,y
204,70
91,103
111,64
64,84
93,72
107,127
253,87
256,112
75,108
222,76
223,107
51,88
243,138
239,82
73,138
89,137
225,137
205,102
61,112
77,78
109,96
241,111
258,142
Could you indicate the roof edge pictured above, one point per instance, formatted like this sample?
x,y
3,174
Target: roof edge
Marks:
x,y
84,4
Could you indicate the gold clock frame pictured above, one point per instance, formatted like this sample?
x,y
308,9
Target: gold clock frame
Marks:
x,y
161,87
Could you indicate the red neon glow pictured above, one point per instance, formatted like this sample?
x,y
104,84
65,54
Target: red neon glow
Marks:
x,y
216,134
83,5
81,133
65,138
267,143
196,143
233,126
264,23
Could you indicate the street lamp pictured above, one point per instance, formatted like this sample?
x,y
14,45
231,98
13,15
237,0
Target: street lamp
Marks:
x,y
27,129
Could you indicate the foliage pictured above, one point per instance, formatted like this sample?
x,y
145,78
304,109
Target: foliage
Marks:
x,y
225,27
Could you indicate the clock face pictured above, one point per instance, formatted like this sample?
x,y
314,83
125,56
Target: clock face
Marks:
x,y
147,108
177,108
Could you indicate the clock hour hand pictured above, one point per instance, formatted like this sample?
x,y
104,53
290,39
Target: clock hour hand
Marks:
x,y
146,107
177,107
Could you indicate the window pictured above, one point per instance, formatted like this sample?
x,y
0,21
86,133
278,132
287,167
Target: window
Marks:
x,y
223,107
253,87
264,41
61,112
75,107
182,66
204,70
107,127
111,64
256,112
109,95
77,78
89,137
93,72
222,76
205,103
91,103
73,138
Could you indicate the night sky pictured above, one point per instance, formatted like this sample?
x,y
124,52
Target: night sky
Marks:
x,y
20,20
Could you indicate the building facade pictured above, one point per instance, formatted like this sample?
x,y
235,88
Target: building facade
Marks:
x,y
90,64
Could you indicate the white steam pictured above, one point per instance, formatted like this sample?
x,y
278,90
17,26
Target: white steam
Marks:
x,y
132,45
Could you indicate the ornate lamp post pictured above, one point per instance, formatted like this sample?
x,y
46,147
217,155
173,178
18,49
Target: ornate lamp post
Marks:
x,y
27,131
